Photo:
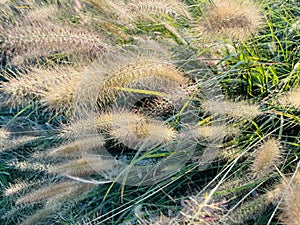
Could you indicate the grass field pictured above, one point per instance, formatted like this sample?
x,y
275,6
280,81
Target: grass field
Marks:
x,y
150,112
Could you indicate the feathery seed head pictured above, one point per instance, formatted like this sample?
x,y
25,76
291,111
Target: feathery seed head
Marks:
x,y
291,205
248,210
80,128
55,193
86,165
266,158
106,121
25,166
59,95
4,134
232,19
55,88
213,132
122,70
292,98
134,129
144,9
77,148
138,70
238,110
20,88
197,211
15,188
276,193
31,40
145,133
39,216
77,189
46,192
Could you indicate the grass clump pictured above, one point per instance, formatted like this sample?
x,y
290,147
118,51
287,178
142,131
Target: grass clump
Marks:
x,y
149,112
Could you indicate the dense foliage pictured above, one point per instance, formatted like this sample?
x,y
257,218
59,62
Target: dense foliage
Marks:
x,y
149,112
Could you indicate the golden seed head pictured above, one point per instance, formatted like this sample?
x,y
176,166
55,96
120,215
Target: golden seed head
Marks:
x,y
216,131
4,134
291,205
15,188
145,132
292,98
231,19
45,192
238,110
86,165
266,158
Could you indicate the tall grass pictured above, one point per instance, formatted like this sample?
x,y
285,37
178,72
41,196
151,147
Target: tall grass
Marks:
x,y
149,112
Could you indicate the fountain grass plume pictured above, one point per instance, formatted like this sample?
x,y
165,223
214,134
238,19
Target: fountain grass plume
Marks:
x,y
86,165
4,136
266,158
231,19
291,205
26,40
214,131
235,110
144,133
118,70
131,128
12,189
54,87
46,192
40,215
142,10
291,99
54,194
75,149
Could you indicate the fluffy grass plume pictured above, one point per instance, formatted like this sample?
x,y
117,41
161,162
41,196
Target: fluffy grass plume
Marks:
x,y
144,10
75,149
277,192
238,110
291,205
59,95
30,40
28,166
55,88
86,165
199,211
135,129
292,98
15,188
39,216
214,131
266,158
146,134
4,135
46,192
121,69
247,212
55,193
231,19
107,121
